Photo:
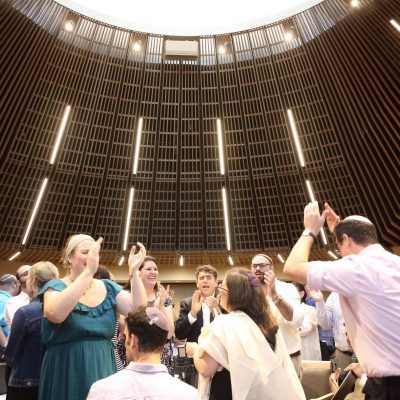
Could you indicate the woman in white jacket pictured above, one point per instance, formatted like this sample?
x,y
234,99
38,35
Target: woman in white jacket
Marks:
x,y
310,347
243,350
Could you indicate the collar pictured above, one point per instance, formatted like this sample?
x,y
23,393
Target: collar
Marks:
x,y
3,292
146,368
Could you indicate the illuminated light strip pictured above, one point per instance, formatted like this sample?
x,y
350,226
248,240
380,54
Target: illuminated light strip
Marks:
x,y
295,137
312,198
395,24
137,147
14,256
333,255
281,259
121,260
181,261
128,218
35,210
60,133
220,147
227,234
230,260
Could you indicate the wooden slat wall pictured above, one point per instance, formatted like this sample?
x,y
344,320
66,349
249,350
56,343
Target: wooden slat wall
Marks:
x,y
339,76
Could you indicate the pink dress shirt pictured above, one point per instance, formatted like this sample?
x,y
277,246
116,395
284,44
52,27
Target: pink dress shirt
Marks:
x,y
369,287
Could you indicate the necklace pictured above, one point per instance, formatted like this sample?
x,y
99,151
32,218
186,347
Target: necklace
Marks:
x,y
73,280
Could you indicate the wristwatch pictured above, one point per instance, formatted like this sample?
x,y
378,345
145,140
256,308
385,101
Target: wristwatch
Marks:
x,y
307,232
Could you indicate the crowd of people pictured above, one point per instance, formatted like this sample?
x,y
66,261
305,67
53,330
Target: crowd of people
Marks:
x,y
84,336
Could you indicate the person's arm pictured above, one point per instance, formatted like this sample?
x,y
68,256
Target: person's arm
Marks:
x,y
127,302
309,322
58,305
186,319
282,304
203,362
166,306
324,311
296,265
16,339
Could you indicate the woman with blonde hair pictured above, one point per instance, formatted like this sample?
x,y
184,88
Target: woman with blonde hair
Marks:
x,y
24,350
242,351
79,320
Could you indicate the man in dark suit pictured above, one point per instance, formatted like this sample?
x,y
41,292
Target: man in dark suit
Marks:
x,y
199,310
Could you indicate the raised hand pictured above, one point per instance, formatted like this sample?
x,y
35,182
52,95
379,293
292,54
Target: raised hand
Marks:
x,y
93,256
331,217
316,295
196,303
313,221
269,280
136,260
211,301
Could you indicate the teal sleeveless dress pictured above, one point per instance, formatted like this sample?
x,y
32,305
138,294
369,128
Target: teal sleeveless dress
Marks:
x,y
79,351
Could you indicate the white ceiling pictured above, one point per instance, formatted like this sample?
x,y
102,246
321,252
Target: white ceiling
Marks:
x,y
178,17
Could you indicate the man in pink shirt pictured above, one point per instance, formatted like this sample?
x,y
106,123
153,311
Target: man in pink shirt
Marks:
x,y
367,279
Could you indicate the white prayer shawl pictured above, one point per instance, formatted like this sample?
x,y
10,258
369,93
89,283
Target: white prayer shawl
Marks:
x,y
257,372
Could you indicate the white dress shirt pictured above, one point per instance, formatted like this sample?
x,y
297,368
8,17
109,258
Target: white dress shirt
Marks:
x,y
12,305
288,329
330,316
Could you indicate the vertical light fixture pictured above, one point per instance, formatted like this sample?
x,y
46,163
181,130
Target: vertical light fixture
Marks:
x,y
14,256
128,218
220,147
312,198
333,255
60,133
35,210
137,146
227,234
121,260
395,24
295,137
281,259
181,260
230,260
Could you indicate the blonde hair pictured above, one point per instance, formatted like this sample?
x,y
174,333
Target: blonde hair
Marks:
x,y
40,273
72,242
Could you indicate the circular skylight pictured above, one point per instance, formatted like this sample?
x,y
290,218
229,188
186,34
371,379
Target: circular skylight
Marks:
x,y
177,17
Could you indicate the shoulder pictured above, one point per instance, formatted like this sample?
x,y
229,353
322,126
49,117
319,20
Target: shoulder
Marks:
x,y
111,286
183,388
55,284
109,385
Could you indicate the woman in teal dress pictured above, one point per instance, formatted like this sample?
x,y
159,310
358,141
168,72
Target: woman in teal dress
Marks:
x,y
79,321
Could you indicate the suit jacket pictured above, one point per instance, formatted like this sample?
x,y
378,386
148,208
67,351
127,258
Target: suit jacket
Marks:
x,y
183,329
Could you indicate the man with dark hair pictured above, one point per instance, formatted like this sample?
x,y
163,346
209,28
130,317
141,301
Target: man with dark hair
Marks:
x,y
9,287
200,309
367,279
145,377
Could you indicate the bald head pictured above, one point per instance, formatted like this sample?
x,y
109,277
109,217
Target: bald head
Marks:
x,y
22,275
9,283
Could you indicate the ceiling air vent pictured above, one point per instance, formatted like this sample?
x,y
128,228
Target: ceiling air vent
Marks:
x,y
181,48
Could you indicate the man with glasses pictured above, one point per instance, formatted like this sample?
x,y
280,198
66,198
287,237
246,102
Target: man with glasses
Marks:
x,y
285,304
22,299
367,279
9,287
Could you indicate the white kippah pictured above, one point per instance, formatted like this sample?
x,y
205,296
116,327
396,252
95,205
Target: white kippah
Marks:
x,y
358,218
76,240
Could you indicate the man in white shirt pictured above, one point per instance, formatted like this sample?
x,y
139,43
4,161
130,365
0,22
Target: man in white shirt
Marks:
x,y
285,304
145,377
22,299
329,315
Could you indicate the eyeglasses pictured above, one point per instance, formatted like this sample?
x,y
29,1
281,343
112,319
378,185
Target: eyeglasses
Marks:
x,y
221,288
260,266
